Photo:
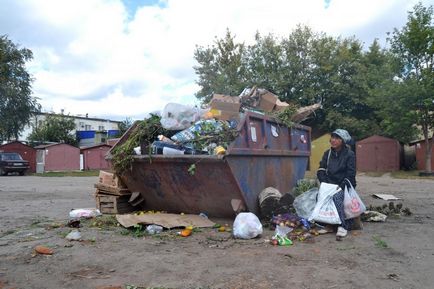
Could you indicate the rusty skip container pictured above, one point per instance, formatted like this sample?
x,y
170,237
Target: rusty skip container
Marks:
x,y
264,154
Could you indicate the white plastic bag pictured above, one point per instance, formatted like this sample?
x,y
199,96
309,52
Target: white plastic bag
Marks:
x,y
247,226
177,116
353,205
325,209
305,203
84,213
74,235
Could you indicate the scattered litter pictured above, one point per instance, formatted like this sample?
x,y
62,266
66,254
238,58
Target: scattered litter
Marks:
x,y
74,235
386,197
165,220
304,204
391,209
185,233
373,216
177,116
247,226
74,223
84,213
154,229
43,250
281,235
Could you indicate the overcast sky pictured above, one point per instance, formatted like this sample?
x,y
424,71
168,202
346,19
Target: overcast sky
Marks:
x,y
125,58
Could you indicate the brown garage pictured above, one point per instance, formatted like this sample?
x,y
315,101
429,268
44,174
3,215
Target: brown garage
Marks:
x,y
57,157
420,154
27,152
378,153
94,157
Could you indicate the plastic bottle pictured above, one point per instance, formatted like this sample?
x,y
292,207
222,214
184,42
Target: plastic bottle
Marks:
x,y
154,229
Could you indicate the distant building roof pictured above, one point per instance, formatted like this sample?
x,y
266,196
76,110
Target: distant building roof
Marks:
x,y
79,117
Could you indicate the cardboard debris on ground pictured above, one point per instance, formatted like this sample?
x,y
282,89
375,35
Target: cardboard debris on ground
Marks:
x,y
373,216
386,197
303,112
165,220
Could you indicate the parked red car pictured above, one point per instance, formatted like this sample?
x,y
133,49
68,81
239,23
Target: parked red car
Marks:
x,y
11,163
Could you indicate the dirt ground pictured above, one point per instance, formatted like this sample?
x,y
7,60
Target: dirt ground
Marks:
x,y
33,211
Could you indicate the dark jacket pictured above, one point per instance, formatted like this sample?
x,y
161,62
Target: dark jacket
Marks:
x,y
341,165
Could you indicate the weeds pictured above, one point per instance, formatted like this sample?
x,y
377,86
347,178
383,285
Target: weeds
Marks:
x,y
303,185
380,243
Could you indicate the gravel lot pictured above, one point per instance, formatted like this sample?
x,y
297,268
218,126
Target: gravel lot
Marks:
x,y
33,211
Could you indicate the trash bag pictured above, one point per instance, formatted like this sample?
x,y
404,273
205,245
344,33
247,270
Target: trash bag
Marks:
x,y
84,213
353,205
247,226
177,116
325,209
305,203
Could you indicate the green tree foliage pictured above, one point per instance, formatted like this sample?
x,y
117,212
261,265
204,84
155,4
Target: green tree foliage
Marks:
x,y
302,68
221,67
16,103
124,125
55,128
413,46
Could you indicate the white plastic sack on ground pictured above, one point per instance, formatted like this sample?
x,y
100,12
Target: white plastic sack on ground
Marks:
x,y
247,226
84,213
74,235
353,205
177,116
325,209
305,203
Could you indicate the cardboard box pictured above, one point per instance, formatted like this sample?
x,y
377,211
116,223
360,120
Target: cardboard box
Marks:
x,y
280,105
110,179
267,101
225,102
225,107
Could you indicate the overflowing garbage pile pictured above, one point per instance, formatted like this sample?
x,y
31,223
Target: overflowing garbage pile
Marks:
x,y
185,129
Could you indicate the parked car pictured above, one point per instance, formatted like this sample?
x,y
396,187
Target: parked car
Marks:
x,y
12,163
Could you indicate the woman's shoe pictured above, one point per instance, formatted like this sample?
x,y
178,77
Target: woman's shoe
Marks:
x,y
341,233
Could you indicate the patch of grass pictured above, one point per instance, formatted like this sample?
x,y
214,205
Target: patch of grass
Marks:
x,y
409,175
91,173
374,174
380,243
346,248
106,222
128,286
8,232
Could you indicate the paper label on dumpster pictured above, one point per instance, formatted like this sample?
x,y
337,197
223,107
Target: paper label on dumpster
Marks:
x,y
253,133
274,131
165,220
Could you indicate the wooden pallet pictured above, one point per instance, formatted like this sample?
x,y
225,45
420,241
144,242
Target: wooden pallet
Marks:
x,y
110,204
111,190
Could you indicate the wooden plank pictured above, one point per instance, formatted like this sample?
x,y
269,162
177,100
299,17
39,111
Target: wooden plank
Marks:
x,y
112,190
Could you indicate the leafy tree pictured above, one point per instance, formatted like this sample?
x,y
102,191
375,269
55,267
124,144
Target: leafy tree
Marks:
x,y
221,67
413,45
124,125
16,103
303,68
55,128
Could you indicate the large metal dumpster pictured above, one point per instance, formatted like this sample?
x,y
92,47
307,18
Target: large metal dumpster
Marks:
x,y
265,154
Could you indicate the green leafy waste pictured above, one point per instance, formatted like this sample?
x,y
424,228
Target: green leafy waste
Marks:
x,y
143,135
146,131
285,116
